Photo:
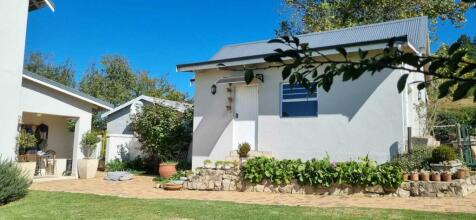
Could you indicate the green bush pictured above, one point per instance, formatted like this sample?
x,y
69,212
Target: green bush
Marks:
x,y
322,172
25,141
13,183
244,149
443,153
419,159
463,116
115,165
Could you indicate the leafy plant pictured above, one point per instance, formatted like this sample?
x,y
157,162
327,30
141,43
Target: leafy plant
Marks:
x,y
163,131
443,153
244,149
219,163
116,165
25,140
323,172
71,125
88,143
419,159
205,162
13,183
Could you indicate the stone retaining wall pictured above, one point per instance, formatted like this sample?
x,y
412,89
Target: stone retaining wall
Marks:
x,y
230,180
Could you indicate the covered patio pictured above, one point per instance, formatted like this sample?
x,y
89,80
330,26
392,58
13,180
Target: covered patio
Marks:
x,y
58,116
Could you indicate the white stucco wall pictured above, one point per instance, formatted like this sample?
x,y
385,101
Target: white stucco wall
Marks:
x,y
12,46
366,116
122,146
40,99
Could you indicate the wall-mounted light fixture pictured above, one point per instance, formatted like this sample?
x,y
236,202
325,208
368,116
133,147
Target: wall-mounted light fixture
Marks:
x,y
214,89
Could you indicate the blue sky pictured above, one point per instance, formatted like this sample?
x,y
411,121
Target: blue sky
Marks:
x,y
155,35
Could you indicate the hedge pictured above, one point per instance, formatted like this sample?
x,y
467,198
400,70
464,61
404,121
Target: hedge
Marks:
x,y
323,172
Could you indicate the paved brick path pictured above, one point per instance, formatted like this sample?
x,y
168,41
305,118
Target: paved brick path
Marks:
x,y
143,187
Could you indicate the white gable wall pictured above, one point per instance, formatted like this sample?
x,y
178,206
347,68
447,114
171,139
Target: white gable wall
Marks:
x,y
366,116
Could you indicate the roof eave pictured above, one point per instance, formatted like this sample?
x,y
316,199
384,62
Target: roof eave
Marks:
x,y
38,4
256,59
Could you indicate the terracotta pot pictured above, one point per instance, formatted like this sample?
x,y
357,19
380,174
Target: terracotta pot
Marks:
x,y
166,170
405,176
88,168
414,177
424,176
461,173
435,177
446,177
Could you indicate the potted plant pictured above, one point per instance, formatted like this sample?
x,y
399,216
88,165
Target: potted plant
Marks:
x,y
414,176
167,169
405,176
446,176
424,175
435,176
207,164
228,165
87,167
461,173
219,164
26,141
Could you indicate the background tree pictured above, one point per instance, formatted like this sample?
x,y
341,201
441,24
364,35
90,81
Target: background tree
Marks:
x,y
41,64
322,15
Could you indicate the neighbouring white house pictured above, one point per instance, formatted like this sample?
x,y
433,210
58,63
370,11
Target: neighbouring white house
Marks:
x,y
36,104
363,117
120,142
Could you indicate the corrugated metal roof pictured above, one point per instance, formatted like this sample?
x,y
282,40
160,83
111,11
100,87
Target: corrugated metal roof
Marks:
x,y
414,29
69,89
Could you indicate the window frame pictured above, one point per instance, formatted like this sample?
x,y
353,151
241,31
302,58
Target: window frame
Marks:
x,y
281,99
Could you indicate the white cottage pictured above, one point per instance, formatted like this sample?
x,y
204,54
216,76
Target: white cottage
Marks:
x,y
363,117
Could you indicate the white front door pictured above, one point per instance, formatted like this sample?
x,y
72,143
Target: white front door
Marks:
x,y
245,116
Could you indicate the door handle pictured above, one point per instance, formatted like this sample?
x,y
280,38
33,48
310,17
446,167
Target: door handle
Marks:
x,y
236,115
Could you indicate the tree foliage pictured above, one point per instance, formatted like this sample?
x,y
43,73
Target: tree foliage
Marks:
x,y
42,65
163,131
311,68
323,15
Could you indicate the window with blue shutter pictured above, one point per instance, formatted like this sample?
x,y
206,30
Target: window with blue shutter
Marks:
x,y
296,101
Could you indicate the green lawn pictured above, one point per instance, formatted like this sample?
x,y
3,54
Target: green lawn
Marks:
x,y
57,205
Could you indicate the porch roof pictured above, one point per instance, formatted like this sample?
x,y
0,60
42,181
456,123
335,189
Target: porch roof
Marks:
x,y
66,90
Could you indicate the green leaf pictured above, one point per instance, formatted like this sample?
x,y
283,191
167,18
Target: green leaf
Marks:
x,y
279,50
286,71
249,76
273,58
468,68
444,88
462,90
421,85
291,53
276,41
296,40
342,51
292,79
411,59
402,82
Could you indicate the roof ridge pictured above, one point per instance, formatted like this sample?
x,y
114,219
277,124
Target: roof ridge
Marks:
x,y
330,31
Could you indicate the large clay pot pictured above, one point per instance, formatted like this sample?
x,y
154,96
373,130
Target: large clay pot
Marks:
x,y
424,176
28,168
461,173
166,170
414,176
87,168
446,177
405,176
436,177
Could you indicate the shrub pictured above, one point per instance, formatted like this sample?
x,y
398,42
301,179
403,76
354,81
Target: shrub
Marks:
x,y
115,165
13,183
322,172
184,165
163,131
464,116
244,149
419,159
443,153
25,141
88,143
